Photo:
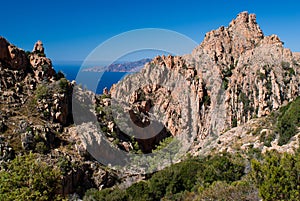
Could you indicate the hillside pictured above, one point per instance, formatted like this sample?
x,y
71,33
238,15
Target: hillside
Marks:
x,y
36,125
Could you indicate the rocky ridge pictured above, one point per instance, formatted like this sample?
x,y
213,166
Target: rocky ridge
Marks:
x,y
233,76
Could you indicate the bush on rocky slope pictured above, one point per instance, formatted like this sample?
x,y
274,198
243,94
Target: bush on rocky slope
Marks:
x,y
28,179
171,183
288,121
277,176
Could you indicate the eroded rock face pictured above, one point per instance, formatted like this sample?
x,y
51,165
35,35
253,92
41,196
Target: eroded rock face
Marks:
x,y
56,106
20,75
235,74
4,54
6,152
17,67
42,66
228,43
12,56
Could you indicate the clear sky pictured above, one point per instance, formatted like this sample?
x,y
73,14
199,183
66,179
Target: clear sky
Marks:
x,y
70,30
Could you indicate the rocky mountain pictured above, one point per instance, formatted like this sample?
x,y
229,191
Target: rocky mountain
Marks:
x,y
133,66
236,92
236,74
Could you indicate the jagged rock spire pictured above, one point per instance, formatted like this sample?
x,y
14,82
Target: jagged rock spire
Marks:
x,y
226,44
38,47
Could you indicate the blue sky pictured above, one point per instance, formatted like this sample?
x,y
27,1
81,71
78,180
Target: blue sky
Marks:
x,y
70,30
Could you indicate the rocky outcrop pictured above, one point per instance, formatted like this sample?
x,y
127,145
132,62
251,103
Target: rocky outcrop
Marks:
x,y
247,138
4,55
12,56
226,44
42,66
38,47
234,75
6,152
22,73
56,106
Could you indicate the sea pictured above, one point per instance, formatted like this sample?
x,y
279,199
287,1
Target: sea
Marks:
x,y
94,81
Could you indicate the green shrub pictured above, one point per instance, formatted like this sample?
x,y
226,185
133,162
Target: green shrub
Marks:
x,y
291,72
225,83
139,192
246,102
45,67
254,153
39,53
221,168
206,99
63,85
59,75
175,179
223,191
234,122
164,143
267,138
288,121
285,65
277,177
173,182
41,91
41,148
105,195
64,165
227,72
261,76
29,179
28,53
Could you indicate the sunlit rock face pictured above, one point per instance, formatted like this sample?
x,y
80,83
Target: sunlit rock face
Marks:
x,y
234,75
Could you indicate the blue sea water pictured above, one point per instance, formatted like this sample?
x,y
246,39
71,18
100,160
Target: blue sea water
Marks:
x,y
94,81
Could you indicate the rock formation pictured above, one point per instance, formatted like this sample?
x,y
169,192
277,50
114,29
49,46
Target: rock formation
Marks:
x,y
234,75
35,116
12,56
22,73
38,47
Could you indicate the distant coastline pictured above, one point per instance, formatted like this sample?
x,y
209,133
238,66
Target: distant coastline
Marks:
x,y
130,66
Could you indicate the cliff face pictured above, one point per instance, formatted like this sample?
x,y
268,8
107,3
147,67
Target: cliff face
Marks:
x,y
234,75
